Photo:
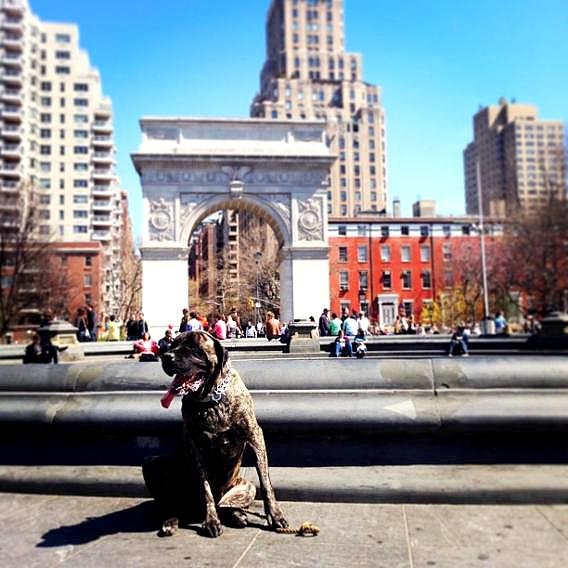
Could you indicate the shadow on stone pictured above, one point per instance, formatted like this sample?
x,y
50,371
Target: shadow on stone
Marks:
x,y
140,518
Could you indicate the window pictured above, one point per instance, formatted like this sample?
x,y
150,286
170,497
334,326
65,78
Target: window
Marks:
x,y
45,183
45,86
424,230
45,133
80,214
81,133
407,307
342,230
45,101
363,280
45,150
81,150
80,118
466,229
342,254
45,199
447,251
80,228
385,253
447,230
80,199
80,166
404,230
88,261
384,231
87,279
80,102
425,254
426,279
45,166
362,253
63,55
386,279
344,280
81,87
405,253
80,183
62,70
362,230
45,117
62,38
406,280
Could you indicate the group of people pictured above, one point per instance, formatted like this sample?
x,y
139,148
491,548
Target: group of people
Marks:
x,y
230,326
349,330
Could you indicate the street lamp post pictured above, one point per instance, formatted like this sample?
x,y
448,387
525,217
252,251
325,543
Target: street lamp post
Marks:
x,y
485,326
257,257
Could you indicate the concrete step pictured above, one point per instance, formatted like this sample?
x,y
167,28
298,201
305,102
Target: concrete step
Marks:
x,y
419,484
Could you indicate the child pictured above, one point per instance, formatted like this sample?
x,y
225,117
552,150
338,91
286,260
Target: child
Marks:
x,y
359,343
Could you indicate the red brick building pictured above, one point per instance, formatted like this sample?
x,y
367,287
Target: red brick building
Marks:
x,y
82,266
387,265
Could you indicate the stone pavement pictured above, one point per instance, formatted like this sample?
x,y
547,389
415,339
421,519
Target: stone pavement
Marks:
x,y
48,530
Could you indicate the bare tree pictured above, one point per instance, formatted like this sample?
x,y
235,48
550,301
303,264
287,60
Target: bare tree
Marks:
x,y
24,257
536,264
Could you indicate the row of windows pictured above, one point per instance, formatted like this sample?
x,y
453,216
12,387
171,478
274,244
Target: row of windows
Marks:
x,y
46,133
46,150
45,183
362,230
386,280
45,167
46,101
405,253
80,87
45,117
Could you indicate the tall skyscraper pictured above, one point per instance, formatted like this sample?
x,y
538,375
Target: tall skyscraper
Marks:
x,y
308,75
57,134
521,159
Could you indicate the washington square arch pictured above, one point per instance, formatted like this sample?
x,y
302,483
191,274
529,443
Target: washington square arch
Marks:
x,y
191,168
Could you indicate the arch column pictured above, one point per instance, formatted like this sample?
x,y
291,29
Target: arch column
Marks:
x,y
304,282
164,286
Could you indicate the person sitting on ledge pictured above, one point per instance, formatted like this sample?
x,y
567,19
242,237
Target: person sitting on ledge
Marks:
x,y
459,342
342,345
147,348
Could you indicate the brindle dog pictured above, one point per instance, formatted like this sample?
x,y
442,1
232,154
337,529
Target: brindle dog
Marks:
x,y
219,421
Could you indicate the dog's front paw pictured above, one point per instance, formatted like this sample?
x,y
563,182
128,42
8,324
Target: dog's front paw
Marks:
x,y
276,519
212,527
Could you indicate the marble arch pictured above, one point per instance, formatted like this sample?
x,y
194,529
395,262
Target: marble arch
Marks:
x,y
190,168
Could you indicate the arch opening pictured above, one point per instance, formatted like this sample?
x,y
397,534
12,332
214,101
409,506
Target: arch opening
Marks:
x,y
235,253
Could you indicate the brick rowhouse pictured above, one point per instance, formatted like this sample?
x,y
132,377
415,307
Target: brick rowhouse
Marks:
x,y
387,265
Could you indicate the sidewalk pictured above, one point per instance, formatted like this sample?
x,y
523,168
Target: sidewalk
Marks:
x,y
420,484
44,531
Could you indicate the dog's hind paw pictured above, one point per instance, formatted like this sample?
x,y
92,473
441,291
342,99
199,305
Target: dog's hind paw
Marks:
x,y
235,518
169,527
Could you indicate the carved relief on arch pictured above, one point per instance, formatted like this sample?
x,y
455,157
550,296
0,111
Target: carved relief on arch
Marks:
x,y
161,220
310,220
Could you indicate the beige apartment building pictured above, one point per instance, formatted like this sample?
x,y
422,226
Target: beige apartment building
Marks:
x,y
309,75
57,134
521,159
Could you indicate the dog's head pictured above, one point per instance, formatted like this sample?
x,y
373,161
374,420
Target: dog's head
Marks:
x,y
197,360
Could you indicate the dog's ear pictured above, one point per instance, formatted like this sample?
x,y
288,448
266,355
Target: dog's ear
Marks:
x,y
222,356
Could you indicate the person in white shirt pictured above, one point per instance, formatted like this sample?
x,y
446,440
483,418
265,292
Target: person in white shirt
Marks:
x,y
194,324
364,323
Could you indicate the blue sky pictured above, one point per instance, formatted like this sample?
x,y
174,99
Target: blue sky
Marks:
x,y
436,61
